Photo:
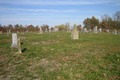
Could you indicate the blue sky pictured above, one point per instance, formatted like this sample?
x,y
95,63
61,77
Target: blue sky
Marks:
x,y
54,12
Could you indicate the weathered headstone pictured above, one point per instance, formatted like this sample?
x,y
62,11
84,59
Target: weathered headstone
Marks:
x,y
115,31
85,30
14,41
0,32
89,31
9,32
107,30
95,29
74,34
118,32
100,30
56,29
40,31
19,46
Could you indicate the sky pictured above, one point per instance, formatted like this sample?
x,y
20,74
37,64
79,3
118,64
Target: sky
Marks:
x,y
54,12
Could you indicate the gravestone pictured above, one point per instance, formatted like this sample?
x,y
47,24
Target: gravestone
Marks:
x,y
100,30
56,29
89,31
118,32
40,31
0,32
95,29
74,34
19,46
14,41
9,32
107,30
115,31
85,30
17,31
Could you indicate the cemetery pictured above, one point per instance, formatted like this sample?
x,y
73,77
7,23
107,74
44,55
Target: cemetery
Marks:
x,y
60,55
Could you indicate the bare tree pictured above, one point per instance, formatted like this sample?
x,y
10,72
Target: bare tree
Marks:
x,y
67,25
117,19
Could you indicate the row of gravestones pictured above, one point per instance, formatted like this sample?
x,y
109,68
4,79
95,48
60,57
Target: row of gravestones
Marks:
x,y
97,31
75,33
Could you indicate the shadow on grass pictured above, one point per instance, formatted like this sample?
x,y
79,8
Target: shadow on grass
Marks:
x,y
24,50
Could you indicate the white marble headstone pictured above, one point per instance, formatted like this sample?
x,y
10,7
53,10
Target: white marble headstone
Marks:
x,y
95,29
14,41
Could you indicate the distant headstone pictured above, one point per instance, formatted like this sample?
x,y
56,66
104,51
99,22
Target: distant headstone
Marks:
x,y
56,29
95,29
89,31
17,31
74,34
9,32
100,30
27,31
118,32
0,32
85,30
115,31
14,41
40,31
107,30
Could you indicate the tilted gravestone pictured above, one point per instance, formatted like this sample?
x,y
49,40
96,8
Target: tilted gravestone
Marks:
x,y
95,29
74,34
14,41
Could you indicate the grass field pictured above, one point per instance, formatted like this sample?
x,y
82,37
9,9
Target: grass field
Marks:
x,y
58,57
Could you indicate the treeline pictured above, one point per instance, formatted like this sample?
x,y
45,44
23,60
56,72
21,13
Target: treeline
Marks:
x,y
17,27
106,22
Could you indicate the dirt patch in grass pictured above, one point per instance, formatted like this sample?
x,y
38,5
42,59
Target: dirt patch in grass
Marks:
x,y
47,65
5,40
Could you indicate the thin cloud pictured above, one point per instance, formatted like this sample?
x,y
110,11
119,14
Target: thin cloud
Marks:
x,y
37,10
58,2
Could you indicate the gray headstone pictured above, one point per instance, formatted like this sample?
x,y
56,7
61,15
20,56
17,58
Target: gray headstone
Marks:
x,y
100,30
95,29
19,46
9,32
89,31
115,31
107,30
118,32
14,41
